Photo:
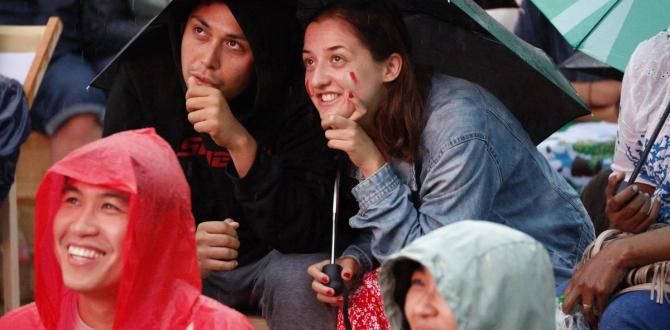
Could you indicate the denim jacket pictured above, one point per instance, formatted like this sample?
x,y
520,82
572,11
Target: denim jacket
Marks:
x,y
477,162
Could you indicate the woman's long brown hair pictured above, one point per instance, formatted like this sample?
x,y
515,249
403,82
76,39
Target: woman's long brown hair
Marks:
x,y
379,26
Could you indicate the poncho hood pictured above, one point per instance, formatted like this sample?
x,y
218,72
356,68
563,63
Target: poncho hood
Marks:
x,y
160,280
491,276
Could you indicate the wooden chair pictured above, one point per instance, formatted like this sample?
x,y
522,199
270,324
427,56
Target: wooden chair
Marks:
x,y
41,40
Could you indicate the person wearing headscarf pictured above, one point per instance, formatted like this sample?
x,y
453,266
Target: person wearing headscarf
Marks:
x,y
639,212
469,275
114,244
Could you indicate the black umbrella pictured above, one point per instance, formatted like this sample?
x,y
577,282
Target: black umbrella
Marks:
x,y
584,63
459,38
448,40
493,4
169,22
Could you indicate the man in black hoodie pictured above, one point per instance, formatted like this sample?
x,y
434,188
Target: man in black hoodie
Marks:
x,y
215,78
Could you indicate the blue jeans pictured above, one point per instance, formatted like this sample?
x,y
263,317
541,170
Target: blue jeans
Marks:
x,y
632,310
63,93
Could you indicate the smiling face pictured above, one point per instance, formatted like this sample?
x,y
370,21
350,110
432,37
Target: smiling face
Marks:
x,y
89,230
215,51
336,63
424,306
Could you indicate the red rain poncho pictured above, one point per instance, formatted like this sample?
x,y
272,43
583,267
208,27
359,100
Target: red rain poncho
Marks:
x,y
160,283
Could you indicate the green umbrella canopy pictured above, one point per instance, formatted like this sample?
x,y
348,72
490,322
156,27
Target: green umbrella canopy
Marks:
x,y
607,30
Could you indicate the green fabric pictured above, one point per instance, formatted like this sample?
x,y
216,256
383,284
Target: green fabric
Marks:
x,y
491,276
533,56
607,30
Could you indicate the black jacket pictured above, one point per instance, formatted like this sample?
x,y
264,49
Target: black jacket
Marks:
x,y
284,202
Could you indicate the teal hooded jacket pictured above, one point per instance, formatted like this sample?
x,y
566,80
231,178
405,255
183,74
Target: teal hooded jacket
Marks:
x,y
490,275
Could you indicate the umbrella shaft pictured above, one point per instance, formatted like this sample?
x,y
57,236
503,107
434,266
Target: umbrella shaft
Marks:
x,y
647,149
336,195
332,240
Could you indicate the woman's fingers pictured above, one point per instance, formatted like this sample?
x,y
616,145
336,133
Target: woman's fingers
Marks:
x,y
336,122
359,109
326,294
587,306
650,217
349,267
613,184
322,289
340,134
571,297
633,206
315,272
638,213
342,145
622,199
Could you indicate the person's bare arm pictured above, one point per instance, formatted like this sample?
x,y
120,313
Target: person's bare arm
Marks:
x,y
594,282
601,96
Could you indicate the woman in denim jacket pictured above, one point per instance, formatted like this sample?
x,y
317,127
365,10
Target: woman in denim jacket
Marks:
x,y
427,152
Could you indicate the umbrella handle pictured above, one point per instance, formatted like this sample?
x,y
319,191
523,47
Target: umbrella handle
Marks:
x,y
335,282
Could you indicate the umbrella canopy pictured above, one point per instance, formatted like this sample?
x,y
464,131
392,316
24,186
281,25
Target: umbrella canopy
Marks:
x,y
458,38
607,30
170,21
582,62
493,4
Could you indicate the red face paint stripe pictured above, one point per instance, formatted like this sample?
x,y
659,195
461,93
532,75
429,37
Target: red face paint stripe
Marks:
x,y
353,78
307,88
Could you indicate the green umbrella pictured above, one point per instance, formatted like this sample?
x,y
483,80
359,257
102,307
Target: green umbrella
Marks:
x,y
607,30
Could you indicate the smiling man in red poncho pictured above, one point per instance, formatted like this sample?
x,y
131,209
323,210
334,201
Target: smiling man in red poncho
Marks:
x,y
114,244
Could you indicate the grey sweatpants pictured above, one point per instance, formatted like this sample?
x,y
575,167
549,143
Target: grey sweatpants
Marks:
x,y
279,286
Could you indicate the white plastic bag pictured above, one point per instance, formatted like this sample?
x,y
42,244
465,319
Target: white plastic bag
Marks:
x,y
573,321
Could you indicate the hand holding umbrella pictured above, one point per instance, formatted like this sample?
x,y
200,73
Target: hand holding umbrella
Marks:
x,y
628,208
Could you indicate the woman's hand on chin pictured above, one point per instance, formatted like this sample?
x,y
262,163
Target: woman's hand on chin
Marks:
x,y
346,135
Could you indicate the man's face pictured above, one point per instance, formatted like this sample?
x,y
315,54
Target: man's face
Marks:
x,y
424,307
215,51
89,230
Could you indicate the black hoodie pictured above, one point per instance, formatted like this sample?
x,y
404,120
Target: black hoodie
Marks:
x,y
284,202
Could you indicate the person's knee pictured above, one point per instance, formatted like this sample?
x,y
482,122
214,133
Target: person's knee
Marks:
x,y
616,315
634,310
288,301
74,133
287,273
79,124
